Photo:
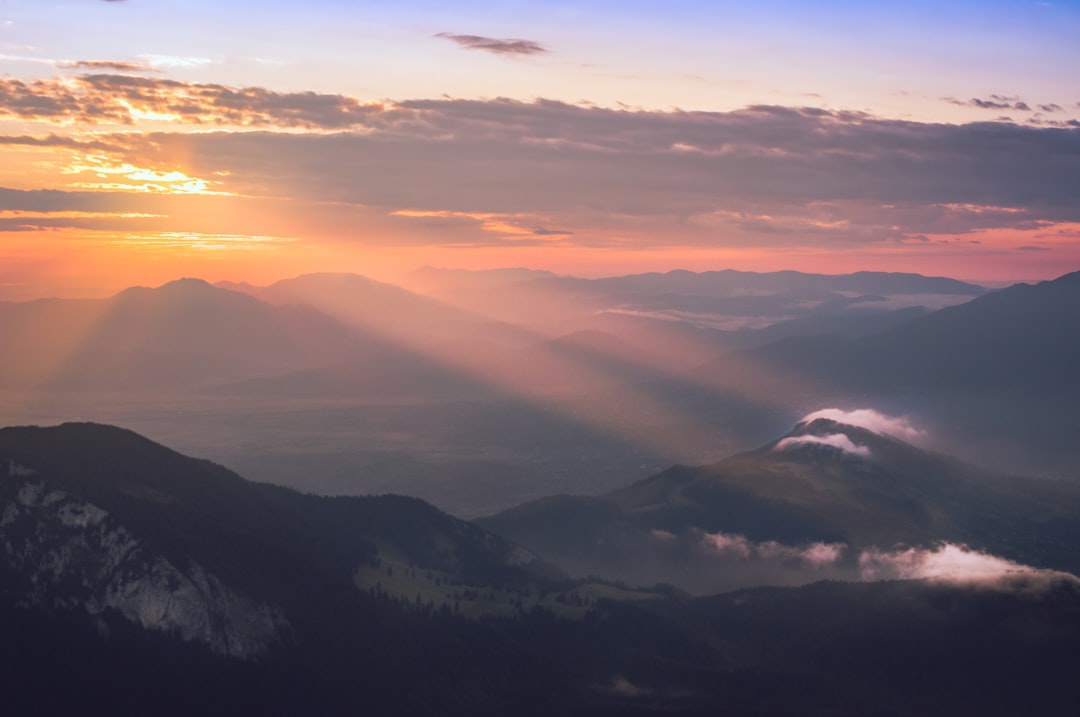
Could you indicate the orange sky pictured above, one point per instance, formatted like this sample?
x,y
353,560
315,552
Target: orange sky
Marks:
x,y
134,150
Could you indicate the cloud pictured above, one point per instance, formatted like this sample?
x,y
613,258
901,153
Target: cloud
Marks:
x,y
761,176
99,65
838,178
55,140
663,536
835,440
622,687
733,545
510,47
124,99
871,420
947,562
996,102
774,562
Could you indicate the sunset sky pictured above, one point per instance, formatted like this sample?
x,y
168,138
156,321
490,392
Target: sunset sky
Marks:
x,y
144,140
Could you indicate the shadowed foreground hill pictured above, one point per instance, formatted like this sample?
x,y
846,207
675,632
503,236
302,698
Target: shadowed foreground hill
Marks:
x,y
136,580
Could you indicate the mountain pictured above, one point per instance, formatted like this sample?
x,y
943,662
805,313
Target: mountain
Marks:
x,y
1024,335
91,503
188,336
687,317
724,300
385,310
732,283
146,581
186,333
824,501
995,376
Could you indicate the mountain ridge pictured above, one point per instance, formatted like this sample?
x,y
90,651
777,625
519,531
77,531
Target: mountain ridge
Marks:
x,y
851,490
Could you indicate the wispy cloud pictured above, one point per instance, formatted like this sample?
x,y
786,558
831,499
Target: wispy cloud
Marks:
x,y
834,440
511,46
733,545
994,102
947,562
944,562
871,420
106,65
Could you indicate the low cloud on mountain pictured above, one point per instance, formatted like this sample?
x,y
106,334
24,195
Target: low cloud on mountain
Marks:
x,y
773,562
870,419
836,440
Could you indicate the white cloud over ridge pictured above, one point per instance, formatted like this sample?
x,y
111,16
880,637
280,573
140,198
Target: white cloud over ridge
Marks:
x,y
948,562
871,420
734,545
779,563
835,440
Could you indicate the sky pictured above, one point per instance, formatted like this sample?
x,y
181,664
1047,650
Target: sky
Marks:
x,y
144,140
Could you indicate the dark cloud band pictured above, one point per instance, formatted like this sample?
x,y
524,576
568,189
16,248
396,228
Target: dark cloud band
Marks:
x,y
497,46
767,174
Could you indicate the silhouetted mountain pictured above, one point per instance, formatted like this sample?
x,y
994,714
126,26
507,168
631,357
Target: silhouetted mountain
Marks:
x,y
753,517
183,334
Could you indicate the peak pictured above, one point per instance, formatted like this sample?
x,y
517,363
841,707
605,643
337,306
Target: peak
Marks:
x,y
186,284
818,426
96,433
825,427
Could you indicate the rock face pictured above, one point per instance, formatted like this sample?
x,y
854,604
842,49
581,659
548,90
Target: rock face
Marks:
x,y
65,553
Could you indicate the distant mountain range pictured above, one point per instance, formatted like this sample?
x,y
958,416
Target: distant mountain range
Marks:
x,y
140,579
718,309
381,387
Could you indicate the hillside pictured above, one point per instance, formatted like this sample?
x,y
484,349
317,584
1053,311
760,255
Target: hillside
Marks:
x,y
126,564
816,503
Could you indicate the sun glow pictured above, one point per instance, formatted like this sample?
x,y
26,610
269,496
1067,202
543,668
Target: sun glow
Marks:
x,y
142,179
198,242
